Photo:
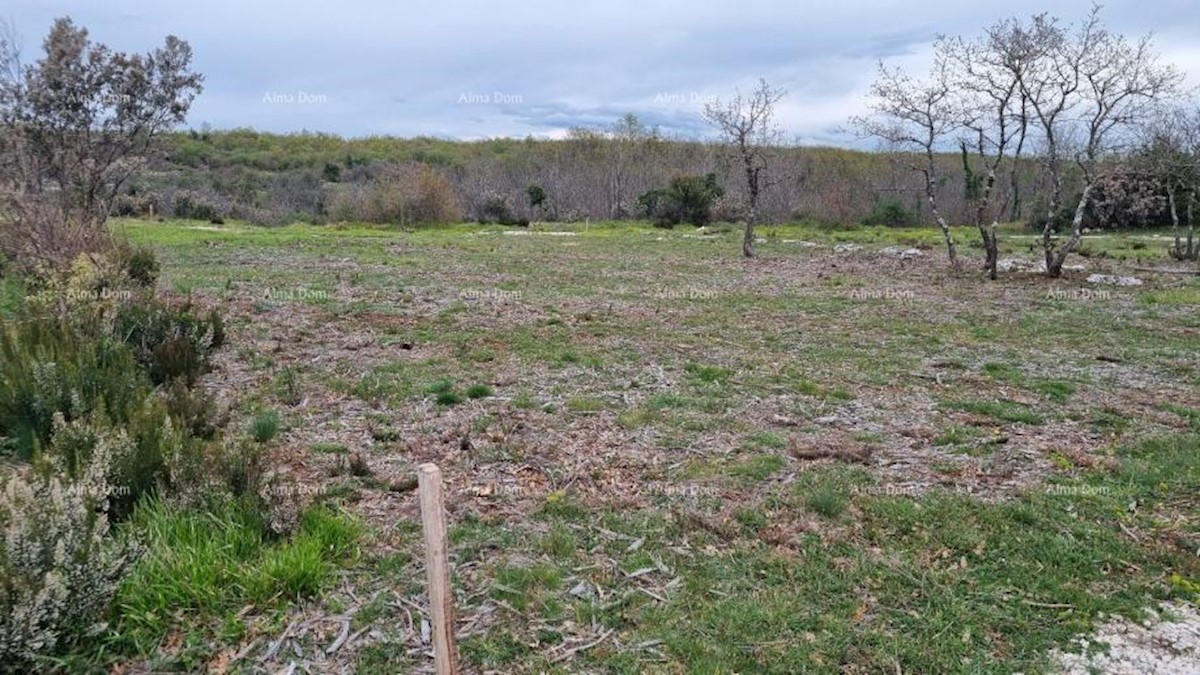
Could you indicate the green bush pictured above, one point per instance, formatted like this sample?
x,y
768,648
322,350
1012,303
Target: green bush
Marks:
x,y
891,213
191,409
139,264
12,293
170,342
224,468
51,367
265,426
47,368
687,199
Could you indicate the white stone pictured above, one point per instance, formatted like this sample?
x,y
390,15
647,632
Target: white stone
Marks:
x,y
1114,280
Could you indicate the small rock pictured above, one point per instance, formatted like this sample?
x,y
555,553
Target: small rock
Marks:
x,y
1011,264
583,590
846,248
1114,280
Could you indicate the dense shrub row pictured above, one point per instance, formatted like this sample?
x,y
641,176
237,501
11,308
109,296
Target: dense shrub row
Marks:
x,y
101,419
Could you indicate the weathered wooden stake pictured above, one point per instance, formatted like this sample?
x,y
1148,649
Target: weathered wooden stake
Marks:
x,y
437,569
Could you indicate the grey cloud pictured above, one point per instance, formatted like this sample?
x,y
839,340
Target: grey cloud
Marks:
x,y
381,67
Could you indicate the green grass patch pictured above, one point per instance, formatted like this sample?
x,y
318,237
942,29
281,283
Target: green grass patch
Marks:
x,y
939,583
201,567
479,391
756,468
586,404
1185,296
707,374
1005,411
1056,390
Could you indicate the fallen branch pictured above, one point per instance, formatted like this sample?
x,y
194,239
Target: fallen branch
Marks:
x,y
583,648
341,638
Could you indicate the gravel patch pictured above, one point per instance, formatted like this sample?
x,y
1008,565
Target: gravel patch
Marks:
x,y
1166,643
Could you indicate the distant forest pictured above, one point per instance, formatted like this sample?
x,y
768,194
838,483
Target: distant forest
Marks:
x,y
273,179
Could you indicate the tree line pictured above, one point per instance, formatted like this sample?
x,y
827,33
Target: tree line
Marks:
x,y
1063,126
1095,111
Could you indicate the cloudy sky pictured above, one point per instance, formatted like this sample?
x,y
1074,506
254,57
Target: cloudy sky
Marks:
x,y
471,69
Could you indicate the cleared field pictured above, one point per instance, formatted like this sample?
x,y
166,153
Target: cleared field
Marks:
x,y
665,458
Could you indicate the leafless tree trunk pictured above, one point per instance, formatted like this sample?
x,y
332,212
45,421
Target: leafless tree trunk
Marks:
x,y
915,116
986,78
1193,252
746,125
1085,85
1174,217
1014,177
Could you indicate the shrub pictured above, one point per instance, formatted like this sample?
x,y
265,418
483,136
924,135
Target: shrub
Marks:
x,y
196,206
409,194
58,572
12,294
138,263
170,342
497,207
192,410
536,195
1066,214
265,426
133,204
890,213
200,471
47,367
687,199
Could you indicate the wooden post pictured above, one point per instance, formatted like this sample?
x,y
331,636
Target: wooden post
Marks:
x,y
437,569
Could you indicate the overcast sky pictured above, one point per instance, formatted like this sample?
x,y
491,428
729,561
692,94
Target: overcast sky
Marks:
x,y
472,69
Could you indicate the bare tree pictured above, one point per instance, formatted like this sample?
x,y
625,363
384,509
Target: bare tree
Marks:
x,y
1170,153
76,125
990,107
917,117
747,126
629,143
1087,89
